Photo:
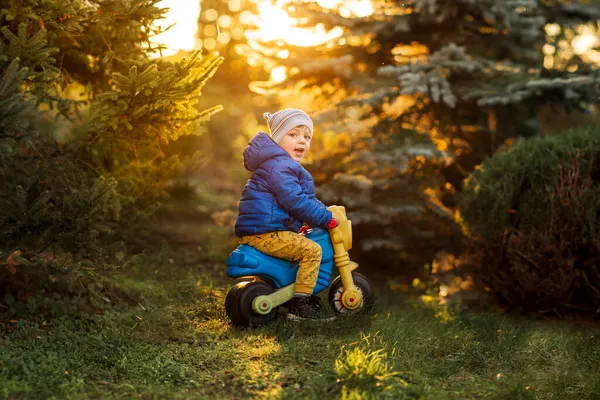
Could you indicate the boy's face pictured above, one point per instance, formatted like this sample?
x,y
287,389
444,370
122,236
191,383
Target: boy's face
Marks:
x,y
297,142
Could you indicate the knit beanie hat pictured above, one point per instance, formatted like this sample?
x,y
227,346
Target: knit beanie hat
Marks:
x,y
285,120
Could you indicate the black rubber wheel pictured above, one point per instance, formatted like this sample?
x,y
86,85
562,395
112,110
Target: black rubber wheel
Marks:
x,y
238,303
362,283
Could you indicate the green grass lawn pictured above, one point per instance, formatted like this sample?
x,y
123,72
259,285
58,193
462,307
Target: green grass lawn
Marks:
x,y
163,333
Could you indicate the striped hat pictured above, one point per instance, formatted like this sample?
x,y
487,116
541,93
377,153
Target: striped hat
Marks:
x,y
285,120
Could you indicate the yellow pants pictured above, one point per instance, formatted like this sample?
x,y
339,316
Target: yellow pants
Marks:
x,y
293,247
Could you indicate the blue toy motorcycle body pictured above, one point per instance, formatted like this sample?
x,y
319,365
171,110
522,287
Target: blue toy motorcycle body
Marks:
x,y
247,261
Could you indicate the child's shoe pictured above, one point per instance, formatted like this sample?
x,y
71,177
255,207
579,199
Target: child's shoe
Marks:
x,y
302,307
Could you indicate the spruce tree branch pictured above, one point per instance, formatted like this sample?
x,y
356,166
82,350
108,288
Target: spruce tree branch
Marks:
x,y
46,246
104,39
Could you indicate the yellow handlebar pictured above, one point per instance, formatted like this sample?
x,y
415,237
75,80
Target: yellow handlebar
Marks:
x,y
343,232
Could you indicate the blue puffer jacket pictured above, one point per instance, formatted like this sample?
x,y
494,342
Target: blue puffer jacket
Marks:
x,y
280,194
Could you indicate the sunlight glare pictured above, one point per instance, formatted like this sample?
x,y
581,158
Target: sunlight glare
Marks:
x,y
581,40
552,29
181,36
582,43
275,24
353,8
328,3
356,9
275,21
278,74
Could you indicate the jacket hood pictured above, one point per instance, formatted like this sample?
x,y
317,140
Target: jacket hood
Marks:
x,y
260,149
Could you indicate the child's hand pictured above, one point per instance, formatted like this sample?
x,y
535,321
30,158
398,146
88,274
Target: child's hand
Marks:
x,y
304,229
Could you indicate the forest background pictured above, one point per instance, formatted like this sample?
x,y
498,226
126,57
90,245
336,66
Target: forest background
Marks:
x,y
408,103
119,156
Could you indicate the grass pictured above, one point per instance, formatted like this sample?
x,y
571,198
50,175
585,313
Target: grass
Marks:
x,y
163,333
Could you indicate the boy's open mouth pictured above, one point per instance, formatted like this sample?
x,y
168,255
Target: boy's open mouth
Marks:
x,y
299,152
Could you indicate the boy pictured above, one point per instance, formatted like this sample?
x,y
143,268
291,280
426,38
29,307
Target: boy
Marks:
x,y
279,197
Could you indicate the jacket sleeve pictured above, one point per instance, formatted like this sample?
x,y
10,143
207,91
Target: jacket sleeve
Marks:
x,y
285,185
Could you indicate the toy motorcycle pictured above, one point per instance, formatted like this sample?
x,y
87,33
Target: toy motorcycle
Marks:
x,y
269,282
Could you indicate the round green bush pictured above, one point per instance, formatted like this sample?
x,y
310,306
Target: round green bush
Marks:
x,y
531,213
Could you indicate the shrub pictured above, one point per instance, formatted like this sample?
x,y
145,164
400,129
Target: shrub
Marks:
x,y
532,216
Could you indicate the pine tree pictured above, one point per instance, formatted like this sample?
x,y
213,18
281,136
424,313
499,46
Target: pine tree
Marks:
x,y
414,96
85,120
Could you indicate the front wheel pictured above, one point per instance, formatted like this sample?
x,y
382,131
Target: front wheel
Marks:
x,y
362,284
238,303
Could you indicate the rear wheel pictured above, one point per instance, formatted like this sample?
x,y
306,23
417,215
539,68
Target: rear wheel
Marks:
x,y
336,290
238,303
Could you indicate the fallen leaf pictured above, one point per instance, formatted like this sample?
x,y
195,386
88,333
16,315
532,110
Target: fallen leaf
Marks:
x,y
12,262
